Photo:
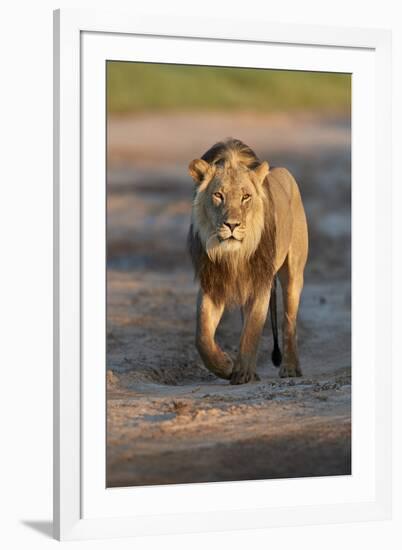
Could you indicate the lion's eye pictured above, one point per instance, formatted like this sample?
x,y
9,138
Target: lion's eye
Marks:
x,y
245,197
218,196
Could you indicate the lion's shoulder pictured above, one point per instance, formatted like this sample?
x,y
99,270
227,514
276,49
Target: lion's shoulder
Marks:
x,y
281,179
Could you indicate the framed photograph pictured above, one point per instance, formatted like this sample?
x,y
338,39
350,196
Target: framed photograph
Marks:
x,y
222,275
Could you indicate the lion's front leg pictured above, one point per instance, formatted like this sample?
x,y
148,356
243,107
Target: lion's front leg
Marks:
x,y
208,316
254,315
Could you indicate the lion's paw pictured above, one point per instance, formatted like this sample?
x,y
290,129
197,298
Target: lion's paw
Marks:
x,y
244,376
287,371
221,365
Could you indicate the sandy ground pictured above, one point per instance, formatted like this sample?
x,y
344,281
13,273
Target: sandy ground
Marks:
x,y
169,419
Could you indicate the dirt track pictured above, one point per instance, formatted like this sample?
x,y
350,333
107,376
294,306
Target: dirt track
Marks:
x,y
170,420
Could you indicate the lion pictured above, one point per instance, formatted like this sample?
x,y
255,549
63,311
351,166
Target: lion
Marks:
x,y
248,228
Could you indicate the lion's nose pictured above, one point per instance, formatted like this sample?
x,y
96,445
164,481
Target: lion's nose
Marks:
x,y
232,226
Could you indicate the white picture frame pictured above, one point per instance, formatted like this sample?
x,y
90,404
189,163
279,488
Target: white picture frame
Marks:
x,y
83,507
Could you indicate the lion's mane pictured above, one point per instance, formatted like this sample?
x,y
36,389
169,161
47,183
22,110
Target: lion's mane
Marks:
x,y
233,278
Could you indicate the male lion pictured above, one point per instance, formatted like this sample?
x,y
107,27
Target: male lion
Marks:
x,y
248,225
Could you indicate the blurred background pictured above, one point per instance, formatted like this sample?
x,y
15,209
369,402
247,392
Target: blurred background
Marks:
x,y
163,405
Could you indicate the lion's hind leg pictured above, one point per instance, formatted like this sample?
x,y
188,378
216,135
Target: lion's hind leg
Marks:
x,y
292,285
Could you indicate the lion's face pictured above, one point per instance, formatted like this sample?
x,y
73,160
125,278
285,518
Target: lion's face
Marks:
x,y
228,210
229,204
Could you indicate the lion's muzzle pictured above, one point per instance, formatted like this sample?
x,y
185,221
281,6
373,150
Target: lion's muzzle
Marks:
x,y
231,231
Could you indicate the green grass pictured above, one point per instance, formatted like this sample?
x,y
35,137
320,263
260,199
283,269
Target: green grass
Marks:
x,y
136,87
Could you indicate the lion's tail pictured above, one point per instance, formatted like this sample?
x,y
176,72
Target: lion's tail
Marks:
x,y
276,353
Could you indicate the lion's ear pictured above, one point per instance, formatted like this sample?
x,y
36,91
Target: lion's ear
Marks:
x,y
261,171
199,169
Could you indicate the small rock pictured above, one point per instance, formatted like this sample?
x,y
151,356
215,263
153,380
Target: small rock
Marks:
x,y
322,397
